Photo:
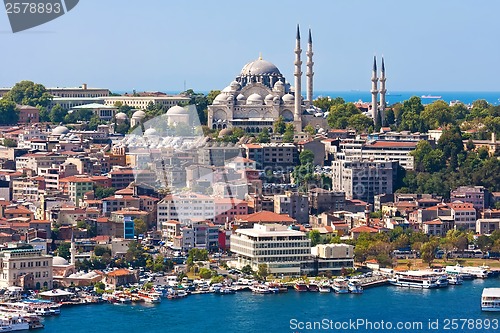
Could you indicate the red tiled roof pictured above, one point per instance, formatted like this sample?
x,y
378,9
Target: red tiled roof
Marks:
x,y
364,228
266,216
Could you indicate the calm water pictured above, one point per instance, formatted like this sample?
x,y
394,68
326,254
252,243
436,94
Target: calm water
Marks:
x,y
245,312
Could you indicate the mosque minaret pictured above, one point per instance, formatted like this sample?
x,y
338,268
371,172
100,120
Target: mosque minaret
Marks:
x,y
383,91
374,91
298,81
309,72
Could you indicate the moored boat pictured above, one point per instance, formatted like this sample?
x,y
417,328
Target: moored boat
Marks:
x,y
259,288
415,279
300,286
490,299
324,287
355,286
455,279
313,286
340,286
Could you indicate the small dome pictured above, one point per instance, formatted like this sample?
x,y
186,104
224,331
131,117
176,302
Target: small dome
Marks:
x,y
60,130
269,97
255,99
225,132
235,85
230,98
288,98
139,114
121,116
228,89
59,261
150,132
276,98
175,110
279,84
241,97
221,98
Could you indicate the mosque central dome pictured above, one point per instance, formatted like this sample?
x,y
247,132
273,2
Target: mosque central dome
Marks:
x,y
260,67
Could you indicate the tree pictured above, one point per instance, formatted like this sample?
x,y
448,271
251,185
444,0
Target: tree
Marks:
x,y
360,122
247,270
8,112
437,114
315,237
211,96
205,273
279,125
9,143
262,271
428,251
325,103
101,250
289,133
309,129
135,254
140,227
101,192
197,255
306,156
340,113
63,250
57,114
263,136
28,93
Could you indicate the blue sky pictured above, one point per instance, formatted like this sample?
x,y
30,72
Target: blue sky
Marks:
x,y
428,45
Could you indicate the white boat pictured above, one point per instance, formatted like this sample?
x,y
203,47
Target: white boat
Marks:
x,y
14,322
259,288
415,279
151,297
455,279
442,281
355,286
481,272
324,287
490,299
340,286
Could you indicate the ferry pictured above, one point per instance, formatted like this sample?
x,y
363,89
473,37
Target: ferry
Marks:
x,y
431,96
340,286
355,286
300,286
151,297
313,286
15,322
458,270
490,299
259,288
415,279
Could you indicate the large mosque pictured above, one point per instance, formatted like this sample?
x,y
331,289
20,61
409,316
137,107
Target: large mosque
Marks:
x,y
260,95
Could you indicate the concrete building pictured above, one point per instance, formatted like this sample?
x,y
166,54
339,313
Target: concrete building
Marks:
x,y
332,258
185,208
284,251
200,235
363,180
487,226
293,204
321,200
478,196
464,215
272,155
104,112
142,102
28,114
25,268
378,151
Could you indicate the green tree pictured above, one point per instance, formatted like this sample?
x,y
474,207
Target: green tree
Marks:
x,y
57,114
63,250
309,129
101,192
211,96
359,122
8,112
247,270
101,250
279,125
263,136
437,114
135,254
140,227
262,271
205,273
306,156
9,143
289,133
428,251
315,237
340,113
325,103
28,93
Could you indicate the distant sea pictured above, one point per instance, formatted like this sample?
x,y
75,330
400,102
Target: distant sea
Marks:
x,y
392,97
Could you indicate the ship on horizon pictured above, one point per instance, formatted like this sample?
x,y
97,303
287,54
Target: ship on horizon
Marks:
x,y
431,96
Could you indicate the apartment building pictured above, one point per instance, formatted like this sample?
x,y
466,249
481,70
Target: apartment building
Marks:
x,y
185,208
478,196
293,204
281,249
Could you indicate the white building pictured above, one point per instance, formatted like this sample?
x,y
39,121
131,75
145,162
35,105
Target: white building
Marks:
x,y
142,102
282,250
185,208
378,151
487,226
29,269
464,215
333,257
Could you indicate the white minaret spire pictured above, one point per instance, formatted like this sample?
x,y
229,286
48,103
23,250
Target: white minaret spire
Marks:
x,y
72,250
298,82
383,90
310,72
374,91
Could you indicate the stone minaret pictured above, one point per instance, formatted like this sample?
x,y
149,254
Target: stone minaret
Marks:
x,y
310,72
72,250
374,91
298,83
383,90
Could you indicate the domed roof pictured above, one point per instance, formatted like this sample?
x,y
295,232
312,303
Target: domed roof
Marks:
x,y
225,132
279,84
59,261
235,85
255,99
269,97
150,132
241,97
60,130
121,115
220,98
139,114
260,67
288,98
175,110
